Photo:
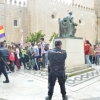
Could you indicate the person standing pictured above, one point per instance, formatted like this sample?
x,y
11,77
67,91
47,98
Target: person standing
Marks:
x,y
23,53
43,51
91,53
56,70
11,58
46,55
4,60
97,54
87,52
35,55
17,57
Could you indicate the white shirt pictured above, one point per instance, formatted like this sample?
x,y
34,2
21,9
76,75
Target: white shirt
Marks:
x,y
17,50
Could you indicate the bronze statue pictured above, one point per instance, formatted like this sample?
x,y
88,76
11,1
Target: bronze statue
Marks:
x,y
67,26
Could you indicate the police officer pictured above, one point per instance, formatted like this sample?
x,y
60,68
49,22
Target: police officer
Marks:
x,y
56,70
4,60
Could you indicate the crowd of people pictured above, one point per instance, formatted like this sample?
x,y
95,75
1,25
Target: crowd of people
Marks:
x,y
35,56
92,53
30,55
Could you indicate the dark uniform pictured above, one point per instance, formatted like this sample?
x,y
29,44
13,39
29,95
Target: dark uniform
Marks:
x,y
57,71
4,58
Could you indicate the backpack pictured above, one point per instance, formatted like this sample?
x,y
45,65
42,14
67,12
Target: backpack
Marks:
x,y
12,57
29,52
46,47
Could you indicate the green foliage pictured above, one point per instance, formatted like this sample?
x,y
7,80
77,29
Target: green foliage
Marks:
x,y
55,35
97,42
35,37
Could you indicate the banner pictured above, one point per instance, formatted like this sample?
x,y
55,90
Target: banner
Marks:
x,y
2,33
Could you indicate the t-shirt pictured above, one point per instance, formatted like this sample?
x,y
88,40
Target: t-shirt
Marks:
x,y
43,44
36,50
23,52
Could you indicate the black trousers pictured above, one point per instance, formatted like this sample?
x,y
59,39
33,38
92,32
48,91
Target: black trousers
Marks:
x,y
52,80
23,60
11,66
3,70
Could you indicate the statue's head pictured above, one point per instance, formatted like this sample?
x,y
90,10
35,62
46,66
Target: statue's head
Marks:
x,y
70,13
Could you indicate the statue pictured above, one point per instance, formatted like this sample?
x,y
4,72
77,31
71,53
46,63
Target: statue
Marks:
x,y
67,26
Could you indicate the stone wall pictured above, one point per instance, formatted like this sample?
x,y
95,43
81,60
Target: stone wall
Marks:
x,y
84,3
38,16
43,9
11,13
97,11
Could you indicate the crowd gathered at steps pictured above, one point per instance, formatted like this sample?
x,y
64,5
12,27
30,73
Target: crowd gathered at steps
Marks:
x,y
35,56
30,55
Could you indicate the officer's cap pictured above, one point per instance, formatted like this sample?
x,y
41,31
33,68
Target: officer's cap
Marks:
x,y
58,43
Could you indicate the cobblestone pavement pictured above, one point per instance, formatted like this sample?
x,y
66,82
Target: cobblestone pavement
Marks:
x,y
26,86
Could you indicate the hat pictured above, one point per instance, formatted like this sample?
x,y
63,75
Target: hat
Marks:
x,y
58,43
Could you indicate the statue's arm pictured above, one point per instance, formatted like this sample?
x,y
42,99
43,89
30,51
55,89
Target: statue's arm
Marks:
x,y
72,21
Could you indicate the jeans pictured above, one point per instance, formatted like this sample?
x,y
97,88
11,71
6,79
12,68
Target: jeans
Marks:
x,y
46,59
97,59
91,58
88,60
36,66
43,60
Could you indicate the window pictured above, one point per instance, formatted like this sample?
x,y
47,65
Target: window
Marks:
x,y
80,21
15,23
53,16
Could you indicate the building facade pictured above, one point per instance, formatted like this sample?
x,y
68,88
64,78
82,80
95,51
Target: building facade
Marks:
x,y
14,19
44,14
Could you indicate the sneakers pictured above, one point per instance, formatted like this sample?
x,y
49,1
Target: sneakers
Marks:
x,y
6,81
65,97
47,98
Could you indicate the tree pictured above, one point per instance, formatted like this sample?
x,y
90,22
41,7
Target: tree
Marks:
x,y
55,35
35,37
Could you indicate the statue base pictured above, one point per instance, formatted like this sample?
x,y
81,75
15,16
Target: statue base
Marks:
x,y
75,54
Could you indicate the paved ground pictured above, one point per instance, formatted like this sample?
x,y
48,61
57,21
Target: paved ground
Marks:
x,y
26,86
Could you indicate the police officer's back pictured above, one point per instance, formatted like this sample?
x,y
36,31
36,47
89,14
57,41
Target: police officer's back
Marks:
x,y
57,59
4,59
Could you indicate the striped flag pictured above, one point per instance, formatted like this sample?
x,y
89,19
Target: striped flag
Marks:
x,y
2,33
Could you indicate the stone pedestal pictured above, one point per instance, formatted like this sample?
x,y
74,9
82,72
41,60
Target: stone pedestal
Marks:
x,y
75,54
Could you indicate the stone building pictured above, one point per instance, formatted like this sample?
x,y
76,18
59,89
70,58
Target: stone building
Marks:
x,y
44,14
14,19
97,12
